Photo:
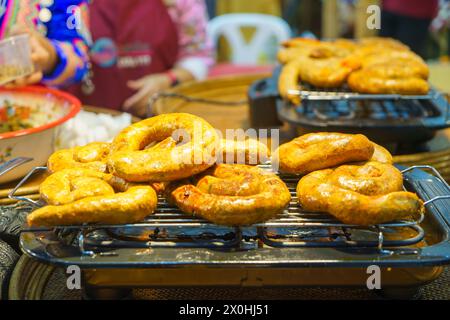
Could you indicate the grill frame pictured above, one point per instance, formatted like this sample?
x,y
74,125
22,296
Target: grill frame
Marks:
x,y
47,245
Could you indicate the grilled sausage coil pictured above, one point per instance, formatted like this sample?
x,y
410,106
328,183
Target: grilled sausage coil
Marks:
x,y
319,63
77,196
387,66
91,156
366,194
248,151
382,155
174,156
317,151
371,65
232,195
99,182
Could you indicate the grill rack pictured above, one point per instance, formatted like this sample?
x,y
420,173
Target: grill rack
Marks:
x,y
310,92
377,110
341,103
105,238
386,118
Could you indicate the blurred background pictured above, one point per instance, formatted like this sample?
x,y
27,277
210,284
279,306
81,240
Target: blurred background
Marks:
x,y
422,25
339,18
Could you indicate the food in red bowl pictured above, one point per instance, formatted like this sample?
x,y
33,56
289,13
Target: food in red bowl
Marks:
x,y
29,118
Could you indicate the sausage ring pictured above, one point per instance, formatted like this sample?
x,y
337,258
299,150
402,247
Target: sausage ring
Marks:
x,y
320,63
371,178
91,156
232,195
249,151
289,80
317,151
381,154
356,194
386,79
328,72
385,70
163,148
77,196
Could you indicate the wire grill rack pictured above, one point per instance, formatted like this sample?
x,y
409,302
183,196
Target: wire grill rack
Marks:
x,y
169,227
332,104
380,110
310,92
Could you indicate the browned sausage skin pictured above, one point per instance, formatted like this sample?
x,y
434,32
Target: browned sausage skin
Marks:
x,y
77,196
317,151
232,195
358,200
171,158
91,156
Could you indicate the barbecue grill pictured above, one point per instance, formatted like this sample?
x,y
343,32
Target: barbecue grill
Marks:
x,y
382,117
297,248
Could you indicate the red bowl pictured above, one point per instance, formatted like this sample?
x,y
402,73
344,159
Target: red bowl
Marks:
x,y
54,108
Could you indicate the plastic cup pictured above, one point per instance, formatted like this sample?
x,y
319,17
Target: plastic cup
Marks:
x,y
15,58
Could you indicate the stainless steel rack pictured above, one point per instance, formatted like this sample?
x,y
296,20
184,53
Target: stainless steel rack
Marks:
x,y
335,104
309,92
384,118
169,227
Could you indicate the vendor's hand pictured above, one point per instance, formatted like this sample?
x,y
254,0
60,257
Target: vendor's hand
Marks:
x,y
43,56
145,87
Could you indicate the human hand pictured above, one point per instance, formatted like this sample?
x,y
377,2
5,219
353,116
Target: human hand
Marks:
x,y
146,87
43,56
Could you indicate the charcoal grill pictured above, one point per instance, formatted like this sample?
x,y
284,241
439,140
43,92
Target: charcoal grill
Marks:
x,y
383,118
297,248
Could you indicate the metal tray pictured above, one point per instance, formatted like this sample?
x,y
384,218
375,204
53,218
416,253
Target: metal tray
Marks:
x,y
295,239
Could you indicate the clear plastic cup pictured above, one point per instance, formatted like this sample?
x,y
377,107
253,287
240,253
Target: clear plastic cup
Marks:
x,y
15,58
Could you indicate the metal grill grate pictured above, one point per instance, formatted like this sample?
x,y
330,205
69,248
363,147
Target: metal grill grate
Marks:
x,y
310,92
169,227
338,108
376,110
